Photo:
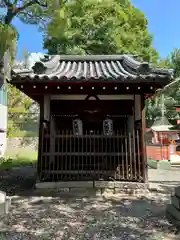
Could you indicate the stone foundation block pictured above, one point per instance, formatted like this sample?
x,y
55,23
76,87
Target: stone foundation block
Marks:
x,y
61,185
173,211
171,219
177,192
131,185
104,184
175,201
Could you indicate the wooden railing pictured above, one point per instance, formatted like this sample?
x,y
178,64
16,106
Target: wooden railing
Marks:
x,y
68,157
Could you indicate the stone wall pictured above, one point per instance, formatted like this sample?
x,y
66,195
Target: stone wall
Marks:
x,y
18,143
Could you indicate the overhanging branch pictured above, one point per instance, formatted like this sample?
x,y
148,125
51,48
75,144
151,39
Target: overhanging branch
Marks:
x,y
33,2
31,16
13,10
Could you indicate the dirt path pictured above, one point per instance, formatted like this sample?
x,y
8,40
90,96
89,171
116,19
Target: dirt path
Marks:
x,y
165,176
65,217
79,218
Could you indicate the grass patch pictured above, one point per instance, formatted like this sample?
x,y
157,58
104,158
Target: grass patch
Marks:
x,y
18,159
13,134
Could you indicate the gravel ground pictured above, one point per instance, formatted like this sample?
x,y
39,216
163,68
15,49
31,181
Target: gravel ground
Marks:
x,y
71,217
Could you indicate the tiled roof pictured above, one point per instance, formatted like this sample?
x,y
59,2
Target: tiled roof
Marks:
x,y
92,67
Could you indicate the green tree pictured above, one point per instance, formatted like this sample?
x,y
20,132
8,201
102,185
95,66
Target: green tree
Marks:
x,y
32,12
20,112
7,40
173,61
25,9
171,94
29,11
99,27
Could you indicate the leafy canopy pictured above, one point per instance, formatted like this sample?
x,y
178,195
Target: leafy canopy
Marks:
x,y
32,12
7,40
171,94
29,11
99,27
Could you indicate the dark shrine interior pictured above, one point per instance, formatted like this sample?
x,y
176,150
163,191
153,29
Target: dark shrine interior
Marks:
x,y
91,113
90,157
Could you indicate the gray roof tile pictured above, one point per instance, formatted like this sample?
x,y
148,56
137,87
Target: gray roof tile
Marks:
x,y
92,67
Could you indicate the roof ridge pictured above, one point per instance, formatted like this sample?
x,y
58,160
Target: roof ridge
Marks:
x,y
108,67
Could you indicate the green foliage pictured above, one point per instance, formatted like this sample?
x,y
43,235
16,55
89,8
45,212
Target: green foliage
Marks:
x,y
29,11
18,159
8,40
37,13
13,132
18,106
99,27
173,61
171,94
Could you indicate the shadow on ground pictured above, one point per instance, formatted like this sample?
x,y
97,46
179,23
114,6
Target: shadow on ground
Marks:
x,y
63,216
85,218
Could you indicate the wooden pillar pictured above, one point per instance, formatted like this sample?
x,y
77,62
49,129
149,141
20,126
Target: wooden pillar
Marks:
x,y
52,146
40,144
44,117
143,142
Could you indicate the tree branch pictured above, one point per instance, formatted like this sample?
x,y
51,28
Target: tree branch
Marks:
x,y
30,4
13,10
31,16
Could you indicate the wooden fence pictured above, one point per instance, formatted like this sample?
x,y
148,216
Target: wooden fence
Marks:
x,y
66,157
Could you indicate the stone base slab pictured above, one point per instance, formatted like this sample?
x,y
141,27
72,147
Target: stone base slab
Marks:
x,y
175,201
92,184
177,192
61,185
98,187
173,211
172,220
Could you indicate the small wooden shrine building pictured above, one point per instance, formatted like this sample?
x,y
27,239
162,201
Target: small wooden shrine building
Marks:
x,y
92,122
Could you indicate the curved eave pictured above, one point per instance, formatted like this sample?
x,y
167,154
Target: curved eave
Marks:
x,y
162,80
105,68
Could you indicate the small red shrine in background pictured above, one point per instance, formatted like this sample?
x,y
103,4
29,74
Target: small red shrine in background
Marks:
x,y
163,132
163,138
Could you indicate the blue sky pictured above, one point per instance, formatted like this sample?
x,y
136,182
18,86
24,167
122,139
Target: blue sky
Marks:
x,y
164,24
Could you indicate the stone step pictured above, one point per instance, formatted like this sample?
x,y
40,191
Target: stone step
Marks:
x,y
175,201
177,191
91,184
172,220
173,211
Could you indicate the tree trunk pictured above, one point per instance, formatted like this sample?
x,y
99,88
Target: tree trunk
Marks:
x,y
9,17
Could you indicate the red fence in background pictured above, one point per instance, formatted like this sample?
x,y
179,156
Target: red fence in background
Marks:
x,y
158,152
